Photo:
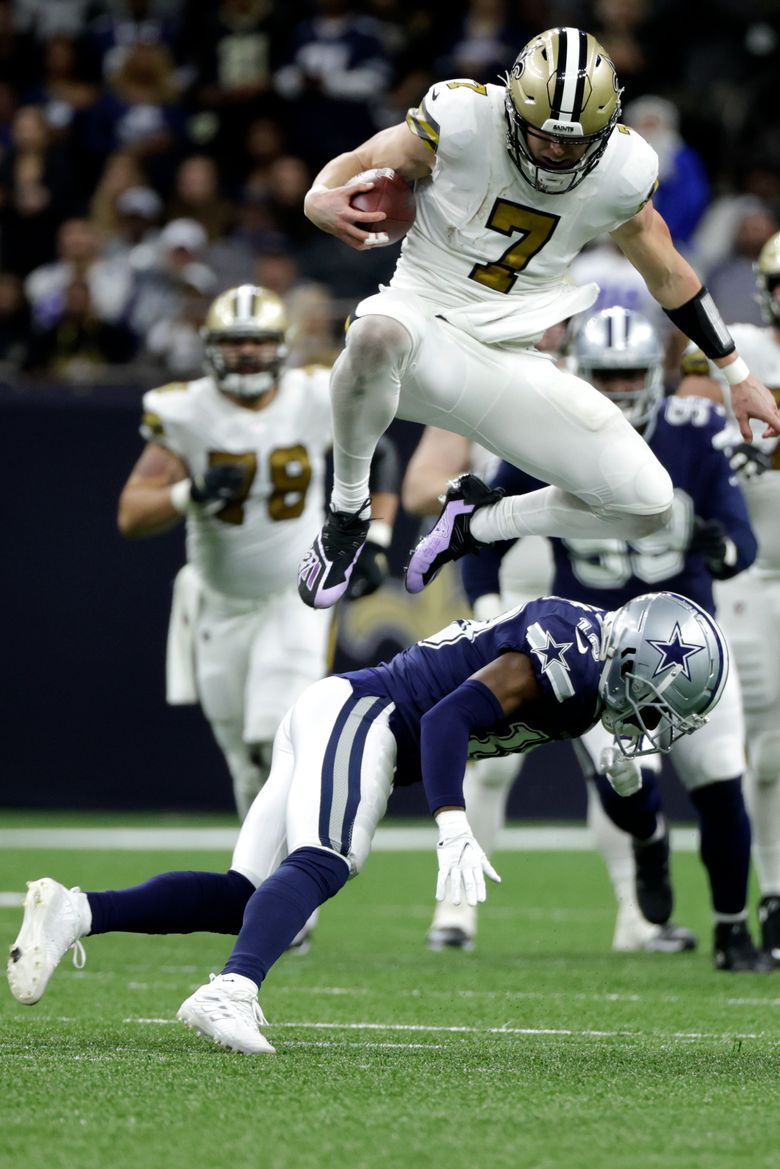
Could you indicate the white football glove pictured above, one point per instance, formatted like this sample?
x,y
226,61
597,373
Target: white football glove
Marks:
x,y
462,862
623,774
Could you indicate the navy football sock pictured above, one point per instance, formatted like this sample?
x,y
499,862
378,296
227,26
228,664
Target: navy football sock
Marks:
x,y
174,903
724,844
282,906
637,814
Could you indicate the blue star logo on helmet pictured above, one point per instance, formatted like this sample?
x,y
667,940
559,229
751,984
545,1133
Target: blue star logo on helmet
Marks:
x,y
675,652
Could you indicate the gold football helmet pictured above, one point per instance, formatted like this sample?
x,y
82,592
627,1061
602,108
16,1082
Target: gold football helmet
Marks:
x,y
246,313
767,269
564,85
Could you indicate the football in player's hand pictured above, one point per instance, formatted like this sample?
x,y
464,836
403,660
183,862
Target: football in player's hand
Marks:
x,y
390,194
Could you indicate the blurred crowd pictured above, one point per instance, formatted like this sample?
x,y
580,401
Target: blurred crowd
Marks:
x,y
155,152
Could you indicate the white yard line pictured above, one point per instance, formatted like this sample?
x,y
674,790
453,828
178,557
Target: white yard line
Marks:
x,y
554,838
436,1029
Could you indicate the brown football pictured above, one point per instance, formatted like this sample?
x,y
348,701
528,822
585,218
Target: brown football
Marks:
x,y
390,194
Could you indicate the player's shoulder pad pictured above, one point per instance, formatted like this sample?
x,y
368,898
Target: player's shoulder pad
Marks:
x,y
632,169
164,404
450,110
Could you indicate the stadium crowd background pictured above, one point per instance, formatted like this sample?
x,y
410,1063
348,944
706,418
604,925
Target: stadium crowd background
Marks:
x,y
156,152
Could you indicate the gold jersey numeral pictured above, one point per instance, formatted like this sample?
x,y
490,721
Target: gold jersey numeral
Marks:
x,y
290,473
475,85
535,228
290,476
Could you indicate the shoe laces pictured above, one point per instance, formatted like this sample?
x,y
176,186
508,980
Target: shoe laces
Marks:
x,y
243,999
79,955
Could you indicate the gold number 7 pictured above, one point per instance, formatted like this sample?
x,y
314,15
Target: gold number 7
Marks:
x,y
535,227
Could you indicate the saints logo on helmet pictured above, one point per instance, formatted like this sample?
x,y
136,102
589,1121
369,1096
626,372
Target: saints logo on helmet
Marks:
x,y
665,666
562,85
767,269
244,340
619,342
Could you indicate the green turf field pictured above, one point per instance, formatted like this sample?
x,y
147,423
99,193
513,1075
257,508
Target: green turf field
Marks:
x,y
541,1049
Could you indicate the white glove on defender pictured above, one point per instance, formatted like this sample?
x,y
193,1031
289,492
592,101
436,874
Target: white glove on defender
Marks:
x,y
461,860
623,774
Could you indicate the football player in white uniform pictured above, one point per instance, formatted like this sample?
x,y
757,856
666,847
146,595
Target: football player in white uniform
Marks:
x,y
240,455
511,182
749,605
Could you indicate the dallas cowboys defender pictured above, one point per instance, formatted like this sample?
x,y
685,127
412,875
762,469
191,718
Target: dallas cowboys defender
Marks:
x,y
708,536
511,182
546,670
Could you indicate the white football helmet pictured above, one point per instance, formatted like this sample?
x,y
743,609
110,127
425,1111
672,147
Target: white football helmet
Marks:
x,y
665,665
564,85
618,340
767,269
245,313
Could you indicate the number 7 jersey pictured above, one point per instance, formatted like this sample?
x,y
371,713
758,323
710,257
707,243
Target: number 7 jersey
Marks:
x,y
250,548
482,233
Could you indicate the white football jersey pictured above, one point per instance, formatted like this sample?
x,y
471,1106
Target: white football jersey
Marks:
x,y
483,234
760,348
250,548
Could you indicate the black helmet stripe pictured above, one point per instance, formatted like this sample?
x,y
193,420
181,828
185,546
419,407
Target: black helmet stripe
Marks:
x,y
567,101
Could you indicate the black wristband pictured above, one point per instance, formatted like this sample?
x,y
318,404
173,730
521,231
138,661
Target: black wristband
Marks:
x,y
700,320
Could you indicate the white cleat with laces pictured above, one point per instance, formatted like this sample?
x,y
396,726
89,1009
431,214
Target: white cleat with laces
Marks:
x,y
226,1010
55,918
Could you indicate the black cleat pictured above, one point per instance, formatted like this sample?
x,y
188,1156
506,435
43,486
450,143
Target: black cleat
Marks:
x,y
448,938
653,883
769,920
734,950
672,939
450,537
324,572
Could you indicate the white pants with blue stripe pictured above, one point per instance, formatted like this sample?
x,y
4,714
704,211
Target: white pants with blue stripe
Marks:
x,y
331,776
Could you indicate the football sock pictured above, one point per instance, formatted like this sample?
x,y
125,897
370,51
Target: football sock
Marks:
x,y
639,814
763,801
615,848
724,844
365,386
485,789
280,907
174,903
550,512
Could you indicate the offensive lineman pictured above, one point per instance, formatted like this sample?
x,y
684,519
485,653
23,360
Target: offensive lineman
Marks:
x,y
708,537
240,455
650,671
511,182
749,605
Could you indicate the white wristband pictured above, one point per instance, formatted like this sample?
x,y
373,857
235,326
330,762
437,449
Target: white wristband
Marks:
x,y
453,822
736,371
181,496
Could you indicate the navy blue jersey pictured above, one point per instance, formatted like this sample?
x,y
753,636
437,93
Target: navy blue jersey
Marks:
x,y
611,571
560,637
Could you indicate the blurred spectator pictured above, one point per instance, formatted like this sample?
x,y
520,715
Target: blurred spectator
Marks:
x,y
111,35
483,43
45,19
603,263
287,180
277,269
14,321
233,258
316,326
174,342
632,32
121,171
197,196
337,69
62,92
683,187
732,282
78,257
158,286
139,111
233,46
79,344
36,192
